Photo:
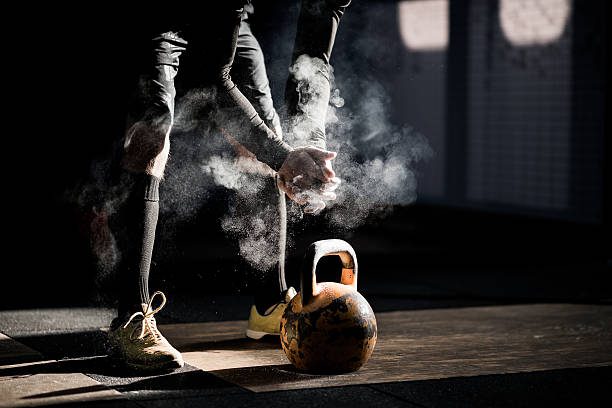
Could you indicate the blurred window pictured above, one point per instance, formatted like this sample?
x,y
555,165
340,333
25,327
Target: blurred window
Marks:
x,y
424,24
533,22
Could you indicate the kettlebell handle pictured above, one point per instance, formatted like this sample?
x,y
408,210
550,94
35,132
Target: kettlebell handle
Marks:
x,y
318,250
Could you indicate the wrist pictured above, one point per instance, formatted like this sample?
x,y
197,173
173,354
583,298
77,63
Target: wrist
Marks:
x,y
318,139
277,160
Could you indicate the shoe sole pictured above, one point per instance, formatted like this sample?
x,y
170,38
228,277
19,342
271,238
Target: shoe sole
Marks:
x,y
118,360
256,335
136,368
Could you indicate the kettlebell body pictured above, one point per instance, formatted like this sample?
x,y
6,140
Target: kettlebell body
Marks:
x,y
328,327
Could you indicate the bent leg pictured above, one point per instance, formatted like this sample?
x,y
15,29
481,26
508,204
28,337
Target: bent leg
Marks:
x,y
260,223
145,153
147,145
268,204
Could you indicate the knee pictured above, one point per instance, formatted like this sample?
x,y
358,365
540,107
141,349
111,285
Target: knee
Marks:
x,y
167,48
147,146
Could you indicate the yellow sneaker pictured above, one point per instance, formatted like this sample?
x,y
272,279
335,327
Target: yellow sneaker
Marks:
x,y
139,344
269,322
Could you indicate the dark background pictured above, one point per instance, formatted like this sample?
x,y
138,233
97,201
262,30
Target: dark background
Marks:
x,y
513,207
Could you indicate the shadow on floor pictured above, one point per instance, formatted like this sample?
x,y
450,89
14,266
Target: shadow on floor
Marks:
x,y
111,375
102,365
266,343
67,345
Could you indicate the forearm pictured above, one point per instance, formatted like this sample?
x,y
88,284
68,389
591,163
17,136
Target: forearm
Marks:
x,y
243,122
308,87
247,127
308,99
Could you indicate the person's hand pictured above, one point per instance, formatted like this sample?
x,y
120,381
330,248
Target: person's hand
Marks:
x,y
316,195
307,177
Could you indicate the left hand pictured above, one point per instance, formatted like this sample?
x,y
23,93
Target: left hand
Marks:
x,y
307,177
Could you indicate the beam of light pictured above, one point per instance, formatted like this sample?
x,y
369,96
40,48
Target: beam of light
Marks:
x,y
533,22
423,24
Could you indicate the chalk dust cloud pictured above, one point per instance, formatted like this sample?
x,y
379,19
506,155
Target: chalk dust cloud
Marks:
x,y
376,163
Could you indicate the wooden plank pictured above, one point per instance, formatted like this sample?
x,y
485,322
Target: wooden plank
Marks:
x,y
223,345
42,387
418,345
50,388
13,352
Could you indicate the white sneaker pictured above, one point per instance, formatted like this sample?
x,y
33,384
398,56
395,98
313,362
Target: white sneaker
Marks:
x,y
139,344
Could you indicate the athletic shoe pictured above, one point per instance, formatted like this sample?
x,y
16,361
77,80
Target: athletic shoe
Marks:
x,y
139,344
269,322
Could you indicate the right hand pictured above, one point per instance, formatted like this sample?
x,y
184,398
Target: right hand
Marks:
x,y
307,177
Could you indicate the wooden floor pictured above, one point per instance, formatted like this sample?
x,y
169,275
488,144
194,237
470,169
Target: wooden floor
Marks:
x,y
40,388
417,345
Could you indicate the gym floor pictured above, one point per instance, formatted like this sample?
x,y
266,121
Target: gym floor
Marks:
x,y
452,332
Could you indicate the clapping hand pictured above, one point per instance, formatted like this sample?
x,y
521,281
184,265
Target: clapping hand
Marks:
x,y
307,177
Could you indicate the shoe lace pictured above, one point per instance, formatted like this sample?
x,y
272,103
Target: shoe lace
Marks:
x,y
148,319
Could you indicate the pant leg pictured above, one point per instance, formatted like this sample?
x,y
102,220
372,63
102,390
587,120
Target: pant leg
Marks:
x,y
259,223
152,111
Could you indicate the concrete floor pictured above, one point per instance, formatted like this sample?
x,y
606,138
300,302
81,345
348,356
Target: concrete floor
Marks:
x,y
56,357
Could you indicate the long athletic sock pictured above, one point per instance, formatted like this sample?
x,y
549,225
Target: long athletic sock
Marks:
x,y
139,218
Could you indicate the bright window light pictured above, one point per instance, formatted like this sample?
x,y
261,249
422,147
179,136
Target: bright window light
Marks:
x,y
424,24
533,22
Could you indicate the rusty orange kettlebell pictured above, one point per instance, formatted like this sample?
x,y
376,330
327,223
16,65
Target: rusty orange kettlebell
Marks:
x,y
328,327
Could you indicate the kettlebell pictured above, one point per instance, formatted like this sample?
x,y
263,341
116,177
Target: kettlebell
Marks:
x,y
328,327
